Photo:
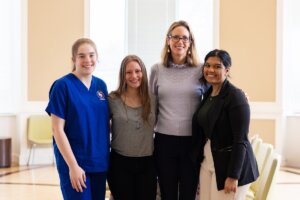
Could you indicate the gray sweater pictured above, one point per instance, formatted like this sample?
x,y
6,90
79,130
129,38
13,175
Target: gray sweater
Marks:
x,y
178,92
130,135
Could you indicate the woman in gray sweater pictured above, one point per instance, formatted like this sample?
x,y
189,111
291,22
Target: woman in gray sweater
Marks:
x,y
175,84
131,173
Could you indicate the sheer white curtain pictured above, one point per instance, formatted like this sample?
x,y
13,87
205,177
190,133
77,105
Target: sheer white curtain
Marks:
x,y
291,53
202,19
132,26
107,30
10,55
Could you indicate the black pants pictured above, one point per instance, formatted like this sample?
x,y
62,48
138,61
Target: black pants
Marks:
x,y
132,178
177,175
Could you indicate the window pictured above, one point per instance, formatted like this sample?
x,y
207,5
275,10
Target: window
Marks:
x,y
291,50
132,27
10,55
107,30
200,16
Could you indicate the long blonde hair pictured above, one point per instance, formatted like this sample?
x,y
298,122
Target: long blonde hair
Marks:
x,y
192,58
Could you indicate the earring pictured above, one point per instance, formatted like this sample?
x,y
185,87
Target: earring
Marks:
x,y
168,50
189,52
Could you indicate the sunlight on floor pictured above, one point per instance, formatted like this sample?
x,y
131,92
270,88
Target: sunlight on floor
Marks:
x,y
42,182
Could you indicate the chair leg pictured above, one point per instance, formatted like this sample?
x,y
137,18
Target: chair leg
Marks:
x,y
28,160
33,150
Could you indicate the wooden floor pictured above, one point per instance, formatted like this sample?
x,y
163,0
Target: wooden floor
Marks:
x,y
30,183
41,182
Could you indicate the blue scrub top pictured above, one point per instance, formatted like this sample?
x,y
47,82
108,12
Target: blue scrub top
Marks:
x,y
86,116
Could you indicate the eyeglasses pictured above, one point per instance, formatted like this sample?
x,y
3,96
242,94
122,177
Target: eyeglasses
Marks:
x,y
177,38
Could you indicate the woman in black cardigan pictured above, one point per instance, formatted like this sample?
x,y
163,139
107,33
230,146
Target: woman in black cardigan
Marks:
x,y
220,131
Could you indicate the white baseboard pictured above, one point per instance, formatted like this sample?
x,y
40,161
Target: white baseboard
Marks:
x,y
39,156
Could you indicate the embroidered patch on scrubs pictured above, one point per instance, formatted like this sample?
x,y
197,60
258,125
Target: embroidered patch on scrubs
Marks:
x,y
101,95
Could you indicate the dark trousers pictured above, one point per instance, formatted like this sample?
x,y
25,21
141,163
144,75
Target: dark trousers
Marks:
x,y
132,178
177,175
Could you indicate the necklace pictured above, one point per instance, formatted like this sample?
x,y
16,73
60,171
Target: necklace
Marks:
x,y
173,65
133,115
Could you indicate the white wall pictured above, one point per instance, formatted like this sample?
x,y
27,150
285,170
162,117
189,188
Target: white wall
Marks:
x,y
8,129
292,142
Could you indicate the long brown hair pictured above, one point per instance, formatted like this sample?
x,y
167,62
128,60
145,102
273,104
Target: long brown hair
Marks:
x,y
143,89
192,57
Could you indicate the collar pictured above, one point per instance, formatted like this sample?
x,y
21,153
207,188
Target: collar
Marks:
x,y
173,65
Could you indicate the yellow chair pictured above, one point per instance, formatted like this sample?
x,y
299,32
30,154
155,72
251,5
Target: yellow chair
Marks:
x,y
262,156
263,153
39,132
256,141
267,179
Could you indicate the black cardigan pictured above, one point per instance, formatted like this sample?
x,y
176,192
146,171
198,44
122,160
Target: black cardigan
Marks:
x,y
229,125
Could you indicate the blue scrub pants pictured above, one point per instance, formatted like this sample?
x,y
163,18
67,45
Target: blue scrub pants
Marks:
x,y
95,182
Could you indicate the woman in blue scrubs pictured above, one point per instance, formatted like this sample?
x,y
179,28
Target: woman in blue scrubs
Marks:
x,y
79,111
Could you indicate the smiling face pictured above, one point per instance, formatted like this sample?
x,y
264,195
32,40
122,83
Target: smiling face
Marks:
x,y
214,71
85,60
133,75
179,48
